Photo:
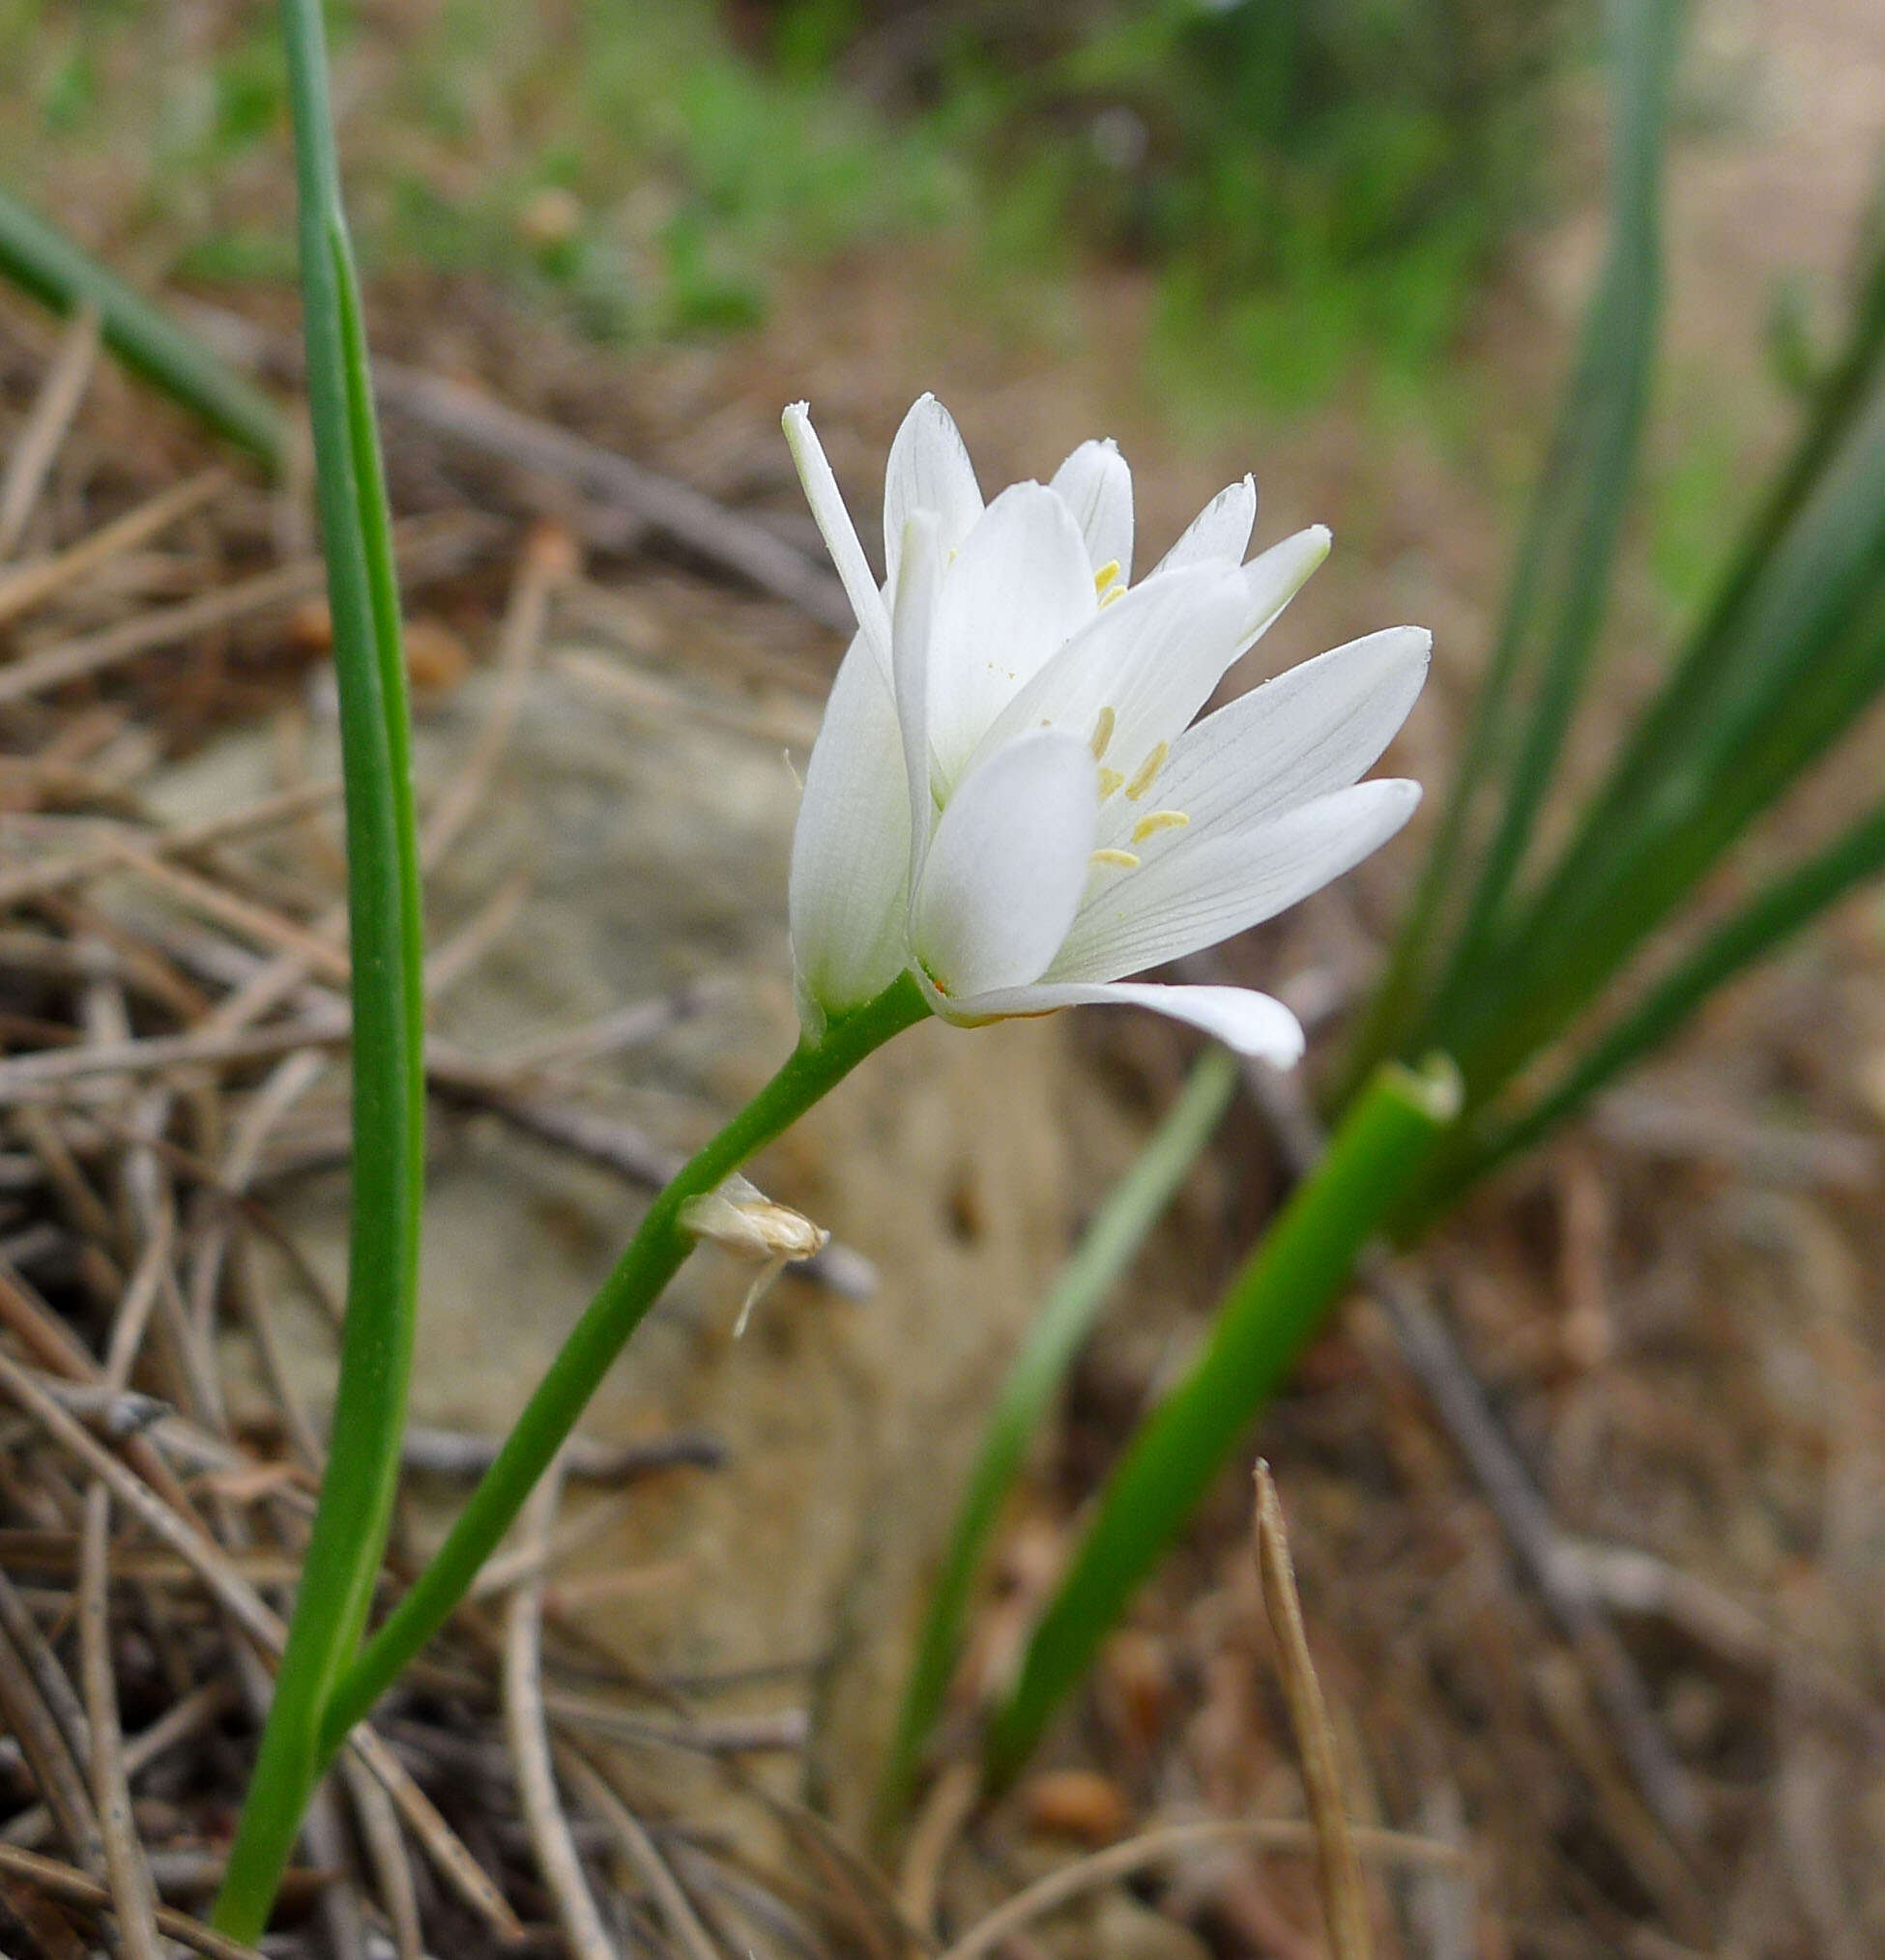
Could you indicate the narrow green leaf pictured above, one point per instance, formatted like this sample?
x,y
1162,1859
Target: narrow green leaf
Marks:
x,y
1033,1382
1273,1307
1560,578
358,1489
1779,910
1568,587
49,265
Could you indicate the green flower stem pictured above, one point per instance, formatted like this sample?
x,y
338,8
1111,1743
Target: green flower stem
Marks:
x,y
651,1261
389,1031
1273,1307
1063,1322
49,265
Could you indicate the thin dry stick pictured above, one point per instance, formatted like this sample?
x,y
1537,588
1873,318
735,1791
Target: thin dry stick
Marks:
x,y
424,547
133,1898
244,917
247,1607
548,560
1338,1871
31,1828
178,840
945,1810
532,1559
47,1755
684,513
59,1882
1272,1834
379,1825
33,1077
449,963
44,436
31,585
530,1745
49,1677
338,1905
677,1909
85,1208
140,1298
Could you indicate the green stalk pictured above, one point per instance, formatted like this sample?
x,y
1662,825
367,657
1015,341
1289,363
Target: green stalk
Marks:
x,y
1273,1307
651,1261
1112,1240
358,1490
50,266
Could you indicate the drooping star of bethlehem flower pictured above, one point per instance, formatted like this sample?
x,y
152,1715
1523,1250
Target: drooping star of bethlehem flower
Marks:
x,y
1010,797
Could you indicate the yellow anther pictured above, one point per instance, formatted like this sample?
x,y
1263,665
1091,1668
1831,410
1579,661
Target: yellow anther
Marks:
x,y
1110,780
1159,820
1123,859
1147,772
1105,574
1110,594
1102,733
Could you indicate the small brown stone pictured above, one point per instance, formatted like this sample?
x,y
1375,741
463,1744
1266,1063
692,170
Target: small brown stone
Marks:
x,y
436,658
1078,1803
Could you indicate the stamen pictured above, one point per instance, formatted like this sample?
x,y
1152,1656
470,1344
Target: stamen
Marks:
x,y
1108,781
1102,733
1147,772
1158,820
1123,859
1111,593
1105,574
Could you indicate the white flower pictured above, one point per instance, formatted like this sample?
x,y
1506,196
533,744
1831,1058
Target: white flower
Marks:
x,y
1008,796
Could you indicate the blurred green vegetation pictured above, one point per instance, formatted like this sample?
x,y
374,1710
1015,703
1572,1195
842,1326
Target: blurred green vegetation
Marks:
x,y
1313,189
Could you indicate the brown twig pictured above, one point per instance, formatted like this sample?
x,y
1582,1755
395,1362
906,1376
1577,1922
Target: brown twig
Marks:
x,y
59,1882
427,548
37,446
1280,1835
177,840
178,1723
530,1740
379,1826
1337,1870
683,513
47,1754
28,586
133,1898
675,1909
946,1808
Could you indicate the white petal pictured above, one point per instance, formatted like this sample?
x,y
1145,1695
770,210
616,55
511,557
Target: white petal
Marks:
x,y
1198,893
1220,533
839,534
1141,671
1312,729
1252,1023
911,621
1017,590
1006,867
1097,486
851,848
1274,577
929,470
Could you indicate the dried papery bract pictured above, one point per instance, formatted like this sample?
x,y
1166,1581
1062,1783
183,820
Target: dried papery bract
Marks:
x,y
739,1215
